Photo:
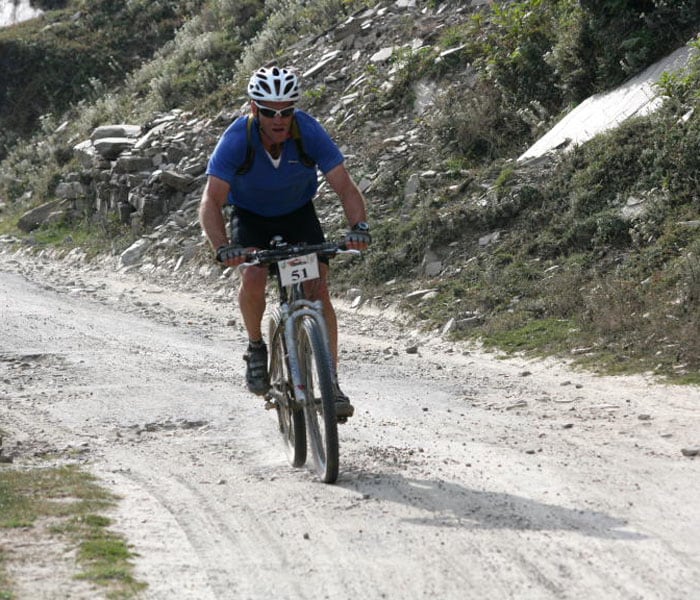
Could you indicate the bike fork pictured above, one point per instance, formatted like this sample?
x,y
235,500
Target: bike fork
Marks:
x,y
308,309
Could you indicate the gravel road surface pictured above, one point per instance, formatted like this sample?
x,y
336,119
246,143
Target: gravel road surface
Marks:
x,y
463,475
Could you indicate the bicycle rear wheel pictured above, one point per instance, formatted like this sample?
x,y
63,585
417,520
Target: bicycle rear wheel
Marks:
x,y
290,415
321,420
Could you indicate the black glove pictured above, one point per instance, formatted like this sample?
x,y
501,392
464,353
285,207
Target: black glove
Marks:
x,y
359,234
225,253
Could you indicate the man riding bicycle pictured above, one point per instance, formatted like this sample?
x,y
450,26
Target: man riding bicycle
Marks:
x,y
264,166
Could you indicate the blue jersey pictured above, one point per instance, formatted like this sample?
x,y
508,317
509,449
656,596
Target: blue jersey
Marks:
x,y
264,189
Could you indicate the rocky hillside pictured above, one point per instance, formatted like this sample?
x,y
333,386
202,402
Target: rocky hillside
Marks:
x,y
432,102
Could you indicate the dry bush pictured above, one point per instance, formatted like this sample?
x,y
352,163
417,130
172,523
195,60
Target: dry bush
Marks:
x,y
476,124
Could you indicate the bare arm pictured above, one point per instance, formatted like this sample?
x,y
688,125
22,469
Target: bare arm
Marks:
x,y
353,202
211,218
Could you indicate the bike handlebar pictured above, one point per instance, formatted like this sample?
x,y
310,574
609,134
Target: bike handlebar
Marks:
x,y
286,251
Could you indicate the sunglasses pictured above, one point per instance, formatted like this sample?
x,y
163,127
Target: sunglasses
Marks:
x,y
271,113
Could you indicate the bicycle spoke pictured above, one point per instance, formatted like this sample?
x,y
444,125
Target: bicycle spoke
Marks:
x,y
289,417
321,421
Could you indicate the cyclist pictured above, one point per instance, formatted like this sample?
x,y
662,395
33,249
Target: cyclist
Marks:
x,y
267,173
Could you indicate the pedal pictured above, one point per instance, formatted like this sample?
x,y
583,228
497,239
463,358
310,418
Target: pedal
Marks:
x,y
270,405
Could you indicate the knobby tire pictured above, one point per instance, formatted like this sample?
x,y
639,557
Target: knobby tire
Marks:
x,y
290,416
321,420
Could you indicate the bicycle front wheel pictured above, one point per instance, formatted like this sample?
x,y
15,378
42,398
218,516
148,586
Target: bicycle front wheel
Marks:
x,y
321,420
290,416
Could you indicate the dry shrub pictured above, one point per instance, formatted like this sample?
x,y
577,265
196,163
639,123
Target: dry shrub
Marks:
x,y
477,125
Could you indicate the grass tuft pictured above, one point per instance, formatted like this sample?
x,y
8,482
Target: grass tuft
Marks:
x,y
73,501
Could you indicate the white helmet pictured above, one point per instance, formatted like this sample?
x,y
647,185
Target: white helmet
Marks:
x,y
274,85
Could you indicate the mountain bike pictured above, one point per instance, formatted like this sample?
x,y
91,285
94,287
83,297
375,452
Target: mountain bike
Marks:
x,y
302,374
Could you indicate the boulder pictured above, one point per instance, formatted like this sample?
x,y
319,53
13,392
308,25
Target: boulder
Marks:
x,y
134,253
34,218
111,147
176,181
119,131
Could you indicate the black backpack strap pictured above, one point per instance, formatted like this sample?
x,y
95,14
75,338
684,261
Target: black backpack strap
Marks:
x,y
250,151
305,159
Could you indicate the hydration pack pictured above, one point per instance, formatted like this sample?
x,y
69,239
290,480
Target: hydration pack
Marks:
x,y
305,159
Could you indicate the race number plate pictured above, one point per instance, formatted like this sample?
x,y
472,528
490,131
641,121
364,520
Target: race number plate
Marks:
x,y
298,269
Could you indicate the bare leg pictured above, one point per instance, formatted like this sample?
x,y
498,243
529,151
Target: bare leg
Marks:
x,y
332,326
318,290
251,300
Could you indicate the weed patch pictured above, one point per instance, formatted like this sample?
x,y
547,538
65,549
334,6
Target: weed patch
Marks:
x,y
73,501
536,336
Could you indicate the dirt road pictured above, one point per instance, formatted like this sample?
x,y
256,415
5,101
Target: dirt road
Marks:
x,y
462,475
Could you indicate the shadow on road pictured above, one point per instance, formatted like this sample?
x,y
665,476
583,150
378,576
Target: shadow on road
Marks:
x,y
453,505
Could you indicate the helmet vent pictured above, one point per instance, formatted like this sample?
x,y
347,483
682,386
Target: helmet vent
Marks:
x,y
274,85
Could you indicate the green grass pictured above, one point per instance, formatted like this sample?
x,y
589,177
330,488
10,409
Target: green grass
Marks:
x,y
74,502
94,237
8,220
537,336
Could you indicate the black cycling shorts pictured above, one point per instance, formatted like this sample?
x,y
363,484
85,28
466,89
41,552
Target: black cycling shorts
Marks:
x,y
252,230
